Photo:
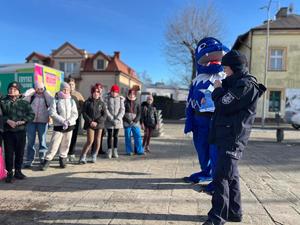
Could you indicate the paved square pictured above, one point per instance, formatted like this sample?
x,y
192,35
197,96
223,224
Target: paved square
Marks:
x,y
149,190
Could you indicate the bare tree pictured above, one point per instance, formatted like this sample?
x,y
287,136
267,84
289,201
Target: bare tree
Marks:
x,y
194,22
145,77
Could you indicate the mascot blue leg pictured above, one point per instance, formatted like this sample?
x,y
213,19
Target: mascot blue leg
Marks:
x,y
200,138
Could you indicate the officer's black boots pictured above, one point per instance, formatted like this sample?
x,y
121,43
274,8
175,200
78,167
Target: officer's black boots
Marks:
x,y
208,222
9,178
19,175
235,219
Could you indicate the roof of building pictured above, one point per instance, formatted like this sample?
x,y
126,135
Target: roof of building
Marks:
x,y
44,58
283,21
115,64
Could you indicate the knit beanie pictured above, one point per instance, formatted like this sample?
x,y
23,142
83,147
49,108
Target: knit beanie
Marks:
x,y
64,85
14,84
39,85
115,88
235,60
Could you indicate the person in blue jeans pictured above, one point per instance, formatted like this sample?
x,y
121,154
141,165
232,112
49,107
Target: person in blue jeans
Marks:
x,y
131,123
40,100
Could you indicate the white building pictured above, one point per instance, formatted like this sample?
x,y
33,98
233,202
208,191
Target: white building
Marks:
x,y
160,89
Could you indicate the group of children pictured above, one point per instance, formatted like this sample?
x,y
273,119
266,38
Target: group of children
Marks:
x,y
29,113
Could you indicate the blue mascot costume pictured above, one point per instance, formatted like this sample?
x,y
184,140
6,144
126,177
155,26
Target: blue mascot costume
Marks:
x,y
200,106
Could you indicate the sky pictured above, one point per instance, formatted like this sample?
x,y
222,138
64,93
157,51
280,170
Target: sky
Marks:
x,y
136,28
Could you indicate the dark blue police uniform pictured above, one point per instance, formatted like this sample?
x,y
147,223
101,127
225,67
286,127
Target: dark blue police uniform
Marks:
x,y
235,112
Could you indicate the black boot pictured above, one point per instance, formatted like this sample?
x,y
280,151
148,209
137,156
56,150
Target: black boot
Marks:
x,y
45,165
62,162
19,175
9,178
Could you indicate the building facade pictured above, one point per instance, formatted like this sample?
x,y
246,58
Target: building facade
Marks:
x,y
283,67
160,89
89,69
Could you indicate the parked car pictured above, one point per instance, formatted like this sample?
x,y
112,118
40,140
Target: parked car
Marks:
x,y
292,108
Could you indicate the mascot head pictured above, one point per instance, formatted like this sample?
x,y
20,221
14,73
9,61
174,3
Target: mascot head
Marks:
x,y
209,53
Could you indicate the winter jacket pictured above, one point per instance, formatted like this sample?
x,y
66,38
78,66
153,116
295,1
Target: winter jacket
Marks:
x,y
132,113
62,110
40,105
115,112
149,115
79,100
94,110
235,112
18,110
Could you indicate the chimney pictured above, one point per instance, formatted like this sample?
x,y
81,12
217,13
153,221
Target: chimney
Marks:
x,y
117,54
282,12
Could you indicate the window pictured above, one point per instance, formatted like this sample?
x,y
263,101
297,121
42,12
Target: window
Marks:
x,y
62,66
277,59
69,67
100,64
35,61
274,102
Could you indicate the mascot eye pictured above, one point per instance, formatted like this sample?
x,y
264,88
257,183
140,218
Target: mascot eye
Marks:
x,y
203,45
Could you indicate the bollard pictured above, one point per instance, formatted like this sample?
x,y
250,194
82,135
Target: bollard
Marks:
x,y
160,131
279,130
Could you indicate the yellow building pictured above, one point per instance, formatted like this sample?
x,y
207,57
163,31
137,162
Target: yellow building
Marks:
x,y
89,69
283,58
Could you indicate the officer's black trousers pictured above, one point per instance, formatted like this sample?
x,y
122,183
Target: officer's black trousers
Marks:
x,y
226,200
14,145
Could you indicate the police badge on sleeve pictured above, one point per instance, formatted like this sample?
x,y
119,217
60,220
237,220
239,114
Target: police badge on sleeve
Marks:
x,y
227,99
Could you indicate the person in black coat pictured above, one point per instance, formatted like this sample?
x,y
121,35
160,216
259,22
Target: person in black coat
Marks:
x,y
235,102
94,113
149,121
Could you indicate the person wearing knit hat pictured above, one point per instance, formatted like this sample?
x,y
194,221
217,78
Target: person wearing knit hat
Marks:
x,y
14,85
64,114
235,100
39,85
40,101
149,121
114,121
16,114
235,60
64,85
131,124
115,88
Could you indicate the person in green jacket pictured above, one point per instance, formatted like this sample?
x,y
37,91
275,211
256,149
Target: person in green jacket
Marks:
x,y
16,113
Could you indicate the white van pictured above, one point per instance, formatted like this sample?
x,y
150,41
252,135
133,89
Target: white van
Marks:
x,y
292,107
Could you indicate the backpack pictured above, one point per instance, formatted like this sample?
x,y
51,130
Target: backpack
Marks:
x,y
33,97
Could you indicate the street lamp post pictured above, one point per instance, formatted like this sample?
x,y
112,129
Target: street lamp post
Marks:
x,y
266,64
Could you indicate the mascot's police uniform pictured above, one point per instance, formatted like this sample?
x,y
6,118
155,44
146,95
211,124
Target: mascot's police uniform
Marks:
x,y
200,106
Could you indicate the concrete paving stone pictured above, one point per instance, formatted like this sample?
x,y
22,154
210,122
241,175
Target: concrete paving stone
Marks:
x,y
149,189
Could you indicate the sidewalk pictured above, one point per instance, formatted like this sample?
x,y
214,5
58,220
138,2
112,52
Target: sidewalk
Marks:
x,y
149,190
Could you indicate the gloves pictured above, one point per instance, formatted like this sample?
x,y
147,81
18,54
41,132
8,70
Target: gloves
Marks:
x,y
65,125
29,92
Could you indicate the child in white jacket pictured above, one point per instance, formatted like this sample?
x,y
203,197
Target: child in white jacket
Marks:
x,y
64,113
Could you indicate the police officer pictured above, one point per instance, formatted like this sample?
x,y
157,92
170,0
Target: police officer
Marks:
x,y
235,101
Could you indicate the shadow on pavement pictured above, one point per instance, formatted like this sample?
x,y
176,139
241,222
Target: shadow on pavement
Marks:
x,y
25,217
64,182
